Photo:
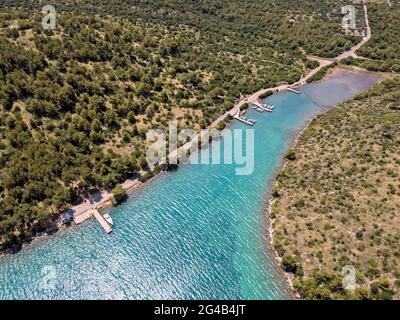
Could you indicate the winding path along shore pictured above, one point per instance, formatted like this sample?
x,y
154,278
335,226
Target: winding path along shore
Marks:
x,y
102,199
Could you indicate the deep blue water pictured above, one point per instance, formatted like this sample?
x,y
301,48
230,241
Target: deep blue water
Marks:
x,y
197,233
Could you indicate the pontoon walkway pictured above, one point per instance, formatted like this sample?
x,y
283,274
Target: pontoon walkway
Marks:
x,y
294,91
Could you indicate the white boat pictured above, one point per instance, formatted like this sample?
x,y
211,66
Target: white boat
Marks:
x,y
270,108
108,219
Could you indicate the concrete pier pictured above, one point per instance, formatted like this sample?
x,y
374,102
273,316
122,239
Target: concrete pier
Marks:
x,y
241,119
100,219
83,217
93,213
294,91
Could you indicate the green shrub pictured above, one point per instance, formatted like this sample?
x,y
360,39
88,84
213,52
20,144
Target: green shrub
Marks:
x,y
291,264
290,155
119,195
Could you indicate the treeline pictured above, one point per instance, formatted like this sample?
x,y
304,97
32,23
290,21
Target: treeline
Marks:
x,y
285,25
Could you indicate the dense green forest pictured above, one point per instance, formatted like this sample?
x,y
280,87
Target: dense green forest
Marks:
x,y
338,198
314,26
77,101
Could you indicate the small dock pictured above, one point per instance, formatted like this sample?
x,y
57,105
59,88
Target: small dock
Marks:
x,y
241,119
294,91
104,224
93,213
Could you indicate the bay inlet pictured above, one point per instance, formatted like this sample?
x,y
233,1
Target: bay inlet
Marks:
x,y
196,233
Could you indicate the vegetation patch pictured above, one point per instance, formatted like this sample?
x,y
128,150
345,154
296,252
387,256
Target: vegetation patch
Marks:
x,y
321,73
336,203
119,195
381,52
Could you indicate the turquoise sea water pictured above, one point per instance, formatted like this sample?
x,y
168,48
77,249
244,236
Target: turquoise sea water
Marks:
x,y
196,233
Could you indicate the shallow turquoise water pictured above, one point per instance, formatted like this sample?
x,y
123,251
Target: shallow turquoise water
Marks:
x,y
197,233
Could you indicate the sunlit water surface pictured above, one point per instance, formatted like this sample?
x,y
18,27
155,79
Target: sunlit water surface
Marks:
x,y
196,233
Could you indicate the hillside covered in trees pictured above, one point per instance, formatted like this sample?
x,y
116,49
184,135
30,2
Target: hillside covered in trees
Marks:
x,y
77,101
382,52
337,201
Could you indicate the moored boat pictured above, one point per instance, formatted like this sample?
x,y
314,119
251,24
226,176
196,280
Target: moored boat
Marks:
x,y
108,218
